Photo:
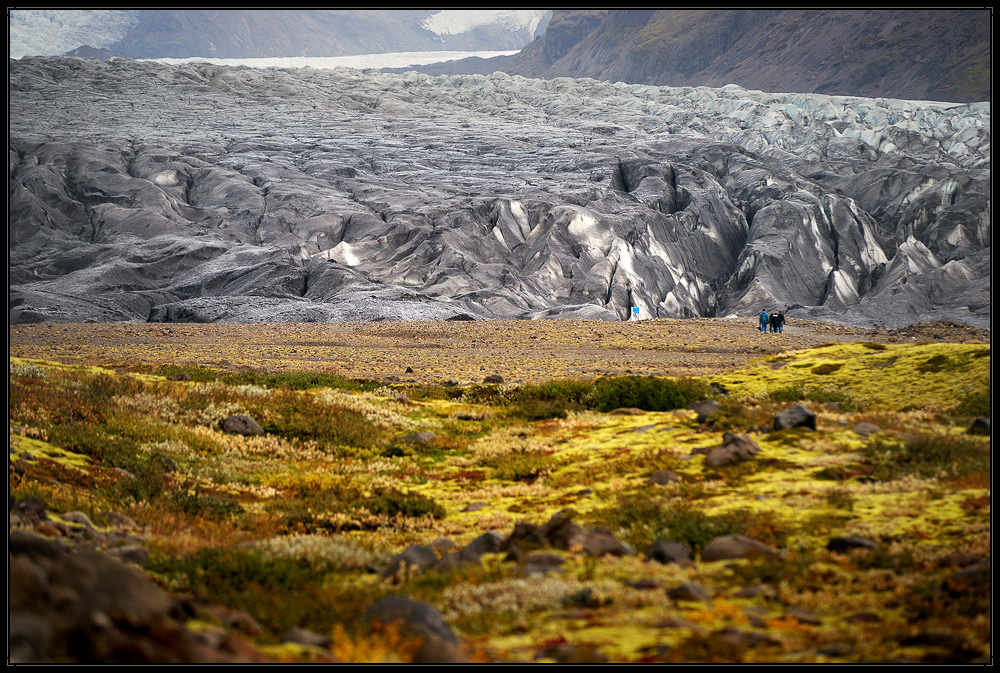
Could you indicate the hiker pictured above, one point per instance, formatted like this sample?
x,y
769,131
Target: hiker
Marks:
x,y
765,319
781,322
773,321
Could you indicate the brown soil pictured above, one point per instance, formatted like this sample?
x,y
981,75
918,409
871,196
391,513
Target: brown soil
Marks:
x,y
465,352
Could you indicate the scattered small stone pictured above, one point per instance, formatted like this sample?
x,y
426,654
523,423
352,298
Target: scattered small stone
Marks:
x,y
306,637
844,543
627,411
688,592
803,616
865,429
570,653
493,378
643,584
664,477
836,650
421,438
864,617
474,507
585,598
738,637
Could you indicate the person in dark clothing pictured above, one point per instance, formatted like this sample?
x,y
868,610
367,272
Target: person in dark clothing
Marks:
x,y
773,320
781,321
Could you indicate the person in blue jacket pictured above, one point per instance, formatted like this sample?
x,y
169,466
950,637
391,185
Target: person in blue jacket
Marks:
x,y
765,320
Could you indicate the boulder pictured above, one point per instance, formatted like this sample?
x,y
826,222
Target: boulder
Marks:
x,y
734,546
734,448
795,417
688,592
865,429
704,409
418,557
664,551
422,620
240,424
845,543
980,425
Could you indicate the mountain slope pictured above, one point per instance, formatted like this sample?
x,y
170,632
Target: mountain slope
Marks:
x,y
248,33
907,54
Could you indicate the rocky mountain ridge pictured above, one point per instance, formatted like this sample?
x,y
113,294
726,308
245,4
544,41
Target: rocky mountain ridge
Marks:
x,y
212,193
939,54
255,33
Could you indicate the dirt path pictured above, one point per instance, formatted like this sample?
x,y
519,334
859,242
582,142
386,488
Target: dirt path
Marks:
x,y
465,352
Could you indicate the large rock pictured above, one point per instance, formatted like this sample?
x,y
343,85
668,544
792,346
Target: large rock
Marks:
x,y
734,546
193,199
797,416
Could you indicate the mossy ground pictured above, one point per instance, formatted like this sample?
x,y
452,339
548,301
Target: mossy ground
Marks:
x,y
285,525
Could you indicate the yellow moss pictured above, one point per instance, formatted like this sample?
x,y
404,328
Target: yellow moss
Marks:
x,y
38,448
896,378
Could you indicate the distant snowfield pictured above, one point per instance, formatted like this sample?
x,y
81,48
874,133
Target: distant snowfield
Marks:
x,y
458,21
400,59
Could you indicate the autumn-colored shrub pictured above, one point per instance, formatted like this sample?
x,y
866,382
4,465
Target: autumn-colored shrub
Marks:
x,y
974,404
927,456
641,519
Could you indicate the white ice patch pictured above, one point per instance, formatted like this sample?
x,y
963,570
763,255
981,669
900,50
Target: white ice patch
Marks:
x,y
844,288
585,227
167,178
342,253
458,21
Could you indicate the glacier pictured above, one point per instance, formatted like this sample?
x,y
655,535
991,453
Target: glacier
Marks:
x,y
205,192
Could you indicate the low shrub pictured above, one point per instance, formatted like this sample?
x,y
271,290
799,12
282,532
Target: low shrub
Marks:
x,y
732,416
293,415
974,404
823,396
538,410
195,503
519,465
928,456
789,394
349,508
300,381
280,593
641,519
647,393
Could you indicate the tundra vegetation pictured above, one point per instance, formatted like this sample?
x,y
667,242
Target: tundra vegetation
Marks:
x,y
300,525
